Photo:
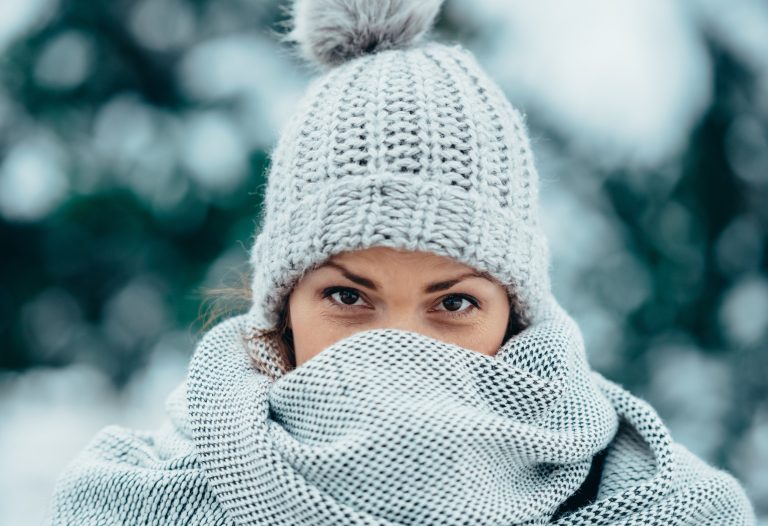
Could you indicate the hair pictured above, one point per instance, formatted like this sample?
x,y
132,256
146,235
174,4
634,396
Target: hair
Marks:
x,y
222,302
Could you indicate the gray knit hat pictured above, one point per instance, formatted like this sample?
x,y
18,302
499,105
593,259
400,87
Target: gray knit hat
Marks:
x,y
400,143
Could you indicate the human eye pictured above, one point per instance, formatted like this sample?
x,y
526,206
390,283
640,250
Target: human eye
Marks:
x,y
344,298
458,305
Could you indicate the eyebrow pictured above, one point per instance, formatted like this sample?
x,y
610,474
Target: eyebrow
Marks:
x,y
432,287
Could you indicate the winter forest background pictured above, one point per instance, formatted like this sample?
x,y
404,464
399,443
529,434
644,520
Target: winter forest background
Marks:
x,y
134,141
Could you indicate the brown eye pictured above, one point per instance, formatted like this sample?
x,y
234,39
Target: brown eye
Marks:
x,y
454,303
458,304
343,297
347,296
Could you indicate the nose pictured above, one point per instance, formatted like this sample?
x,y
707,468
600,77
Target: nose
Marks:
x,y
405,321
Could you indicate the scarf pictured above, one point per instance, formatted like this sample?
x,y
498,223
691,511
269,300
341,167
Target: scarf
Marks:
x,y
391,427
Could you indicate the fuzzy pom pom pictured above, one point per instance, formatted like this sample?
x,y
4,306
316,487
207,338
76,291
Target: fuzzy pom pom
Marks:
x,y
329,32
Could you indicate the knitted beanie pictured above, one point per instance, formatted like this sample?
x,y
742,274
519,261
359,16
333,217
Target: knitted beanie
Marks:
x,y
399,142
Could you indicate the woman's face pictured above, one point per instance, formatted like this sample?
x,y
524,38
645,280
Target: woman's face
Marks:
x,y
382,287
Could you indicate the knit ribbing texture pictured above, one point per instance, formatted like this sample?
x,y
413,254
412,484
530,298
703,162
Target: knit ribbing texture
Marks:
x,y
407,145
412,149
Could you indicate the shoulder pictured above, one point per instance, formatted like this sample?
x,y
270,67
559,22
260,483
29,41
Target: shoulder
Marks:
x,y
652,479
128,476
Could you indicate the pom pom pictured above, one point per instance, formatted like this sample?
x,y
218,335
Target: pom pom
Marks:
x,y
329,32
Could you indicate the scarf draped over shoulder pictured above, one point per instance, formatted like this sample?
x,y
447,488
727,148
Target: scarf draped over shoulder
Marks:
x,y
391,427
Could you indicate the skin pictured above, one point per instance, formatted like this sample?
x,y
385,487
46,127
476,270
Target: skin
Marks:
x,y
334,301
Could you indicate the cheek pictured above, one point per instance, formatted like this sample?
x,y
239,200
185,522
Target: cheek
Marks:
x,y
311,331
484,339
310,339
489,335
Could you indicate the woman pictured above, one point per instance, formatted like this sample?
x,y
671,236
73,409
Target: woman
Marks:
x,y
403,360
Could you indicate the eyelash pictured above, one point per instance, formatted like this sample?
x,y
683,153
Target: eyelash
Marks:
x,y
327,293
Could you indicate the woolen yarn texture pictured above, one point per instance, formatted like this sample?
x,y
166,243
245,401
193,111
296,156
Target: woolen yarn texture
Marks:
x,y
412,147
391,427
405,143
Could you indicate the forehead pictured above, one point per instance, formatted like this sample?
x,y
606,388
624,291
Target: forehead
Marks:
x,y
405,269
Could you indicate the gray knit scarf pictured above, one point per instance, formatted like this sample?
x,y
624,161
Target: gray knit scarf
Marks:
x,y
391,427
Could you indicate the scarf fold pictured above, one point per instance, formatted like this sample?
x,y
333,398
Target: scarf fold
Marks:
x,y
391,427
394,427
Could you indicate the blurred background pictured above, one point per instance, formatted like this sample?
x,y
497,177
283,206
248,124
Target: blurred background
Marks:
x,y
134,142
